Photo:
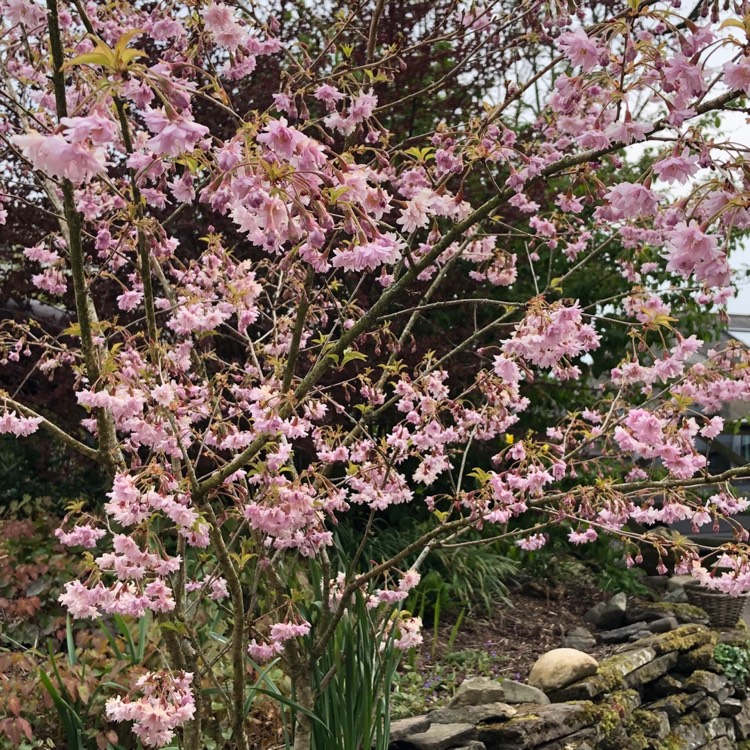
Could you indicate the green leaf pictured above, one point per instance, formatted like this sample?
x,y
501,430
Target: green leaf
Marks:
x,y
122,626
351,354
421,154
70,641
112,640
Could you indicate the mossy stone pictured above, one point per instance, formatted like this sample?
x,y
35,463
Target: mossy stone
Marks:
x,y
684,638
652,724
699,658
676,705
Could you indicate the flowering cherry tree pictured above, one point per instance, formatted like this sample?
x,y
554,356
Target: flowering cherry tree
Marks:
x,y
249,383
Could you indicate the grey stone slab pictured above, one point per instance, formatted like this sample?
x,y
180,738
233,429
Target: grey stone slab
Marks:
x,y
663,625
476,691
439,737
720,727
608,615
689,734
618,635
546,724
401,728
651,671
707,709
675,705
731,707
472,714
705,681
742,721
653,724
519,692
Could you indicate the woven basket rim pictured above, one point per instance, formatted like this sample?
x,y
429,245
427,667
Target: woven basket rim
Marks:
x,y
698,588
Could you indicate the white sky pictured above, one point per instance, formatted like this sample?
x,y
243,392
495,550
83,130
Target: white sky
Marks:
x,y
737,124
740,305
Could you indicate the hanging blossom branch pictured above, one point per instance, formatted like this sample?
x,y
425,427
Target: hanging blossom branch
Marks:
x,y
268,303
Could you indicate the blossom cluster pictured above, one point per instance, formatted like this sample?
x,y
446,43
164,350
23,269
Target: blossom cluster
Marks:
x,y
165,703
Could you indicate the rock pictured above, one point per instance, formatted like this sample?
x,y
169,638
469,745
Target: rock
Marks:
x,y
608,678
477,691
719,728
580,639
667,685
654,724
594,615
675,706
707,709
645,612
560,667
683,613
586,739
439,737
687,735
651,671
734,637
699,658
722,743
608,615
640,635
472,714
685,638
731,707
678,596
401,728
618,635
725,692
704,681
518,692
663,625
473,745
545,724
742,721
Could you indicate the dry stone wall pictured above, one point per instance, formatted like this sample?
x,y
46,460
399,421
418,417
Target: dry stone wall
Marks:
x,y
661,690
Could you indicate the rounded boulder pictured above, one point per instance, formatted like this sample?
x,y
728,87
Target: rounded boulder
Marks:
x,y
561,667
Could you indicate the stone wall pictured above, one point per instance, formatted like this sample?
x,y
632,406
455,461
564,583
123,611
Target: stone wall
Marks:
x,y
659,691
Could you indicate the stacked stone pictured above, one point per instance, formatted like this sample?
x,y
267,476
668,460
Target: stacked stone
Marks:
x,y
662,691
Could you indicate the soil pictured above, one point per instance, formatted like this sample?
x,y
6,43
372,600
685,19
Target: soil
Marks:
x,y
518,632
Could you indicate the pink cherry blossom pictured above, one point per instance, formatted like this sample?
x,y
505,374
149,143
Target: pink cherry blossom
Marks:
x,y
99,130
166,703
84,535
694,252
219,19
632,200
532,543
58,158
737,74
328,94
580,49
11,423
175,134
677,168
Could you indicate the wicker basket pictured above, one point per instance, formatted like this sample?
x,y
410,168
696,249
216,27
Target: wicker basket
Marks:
x,y
723,610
